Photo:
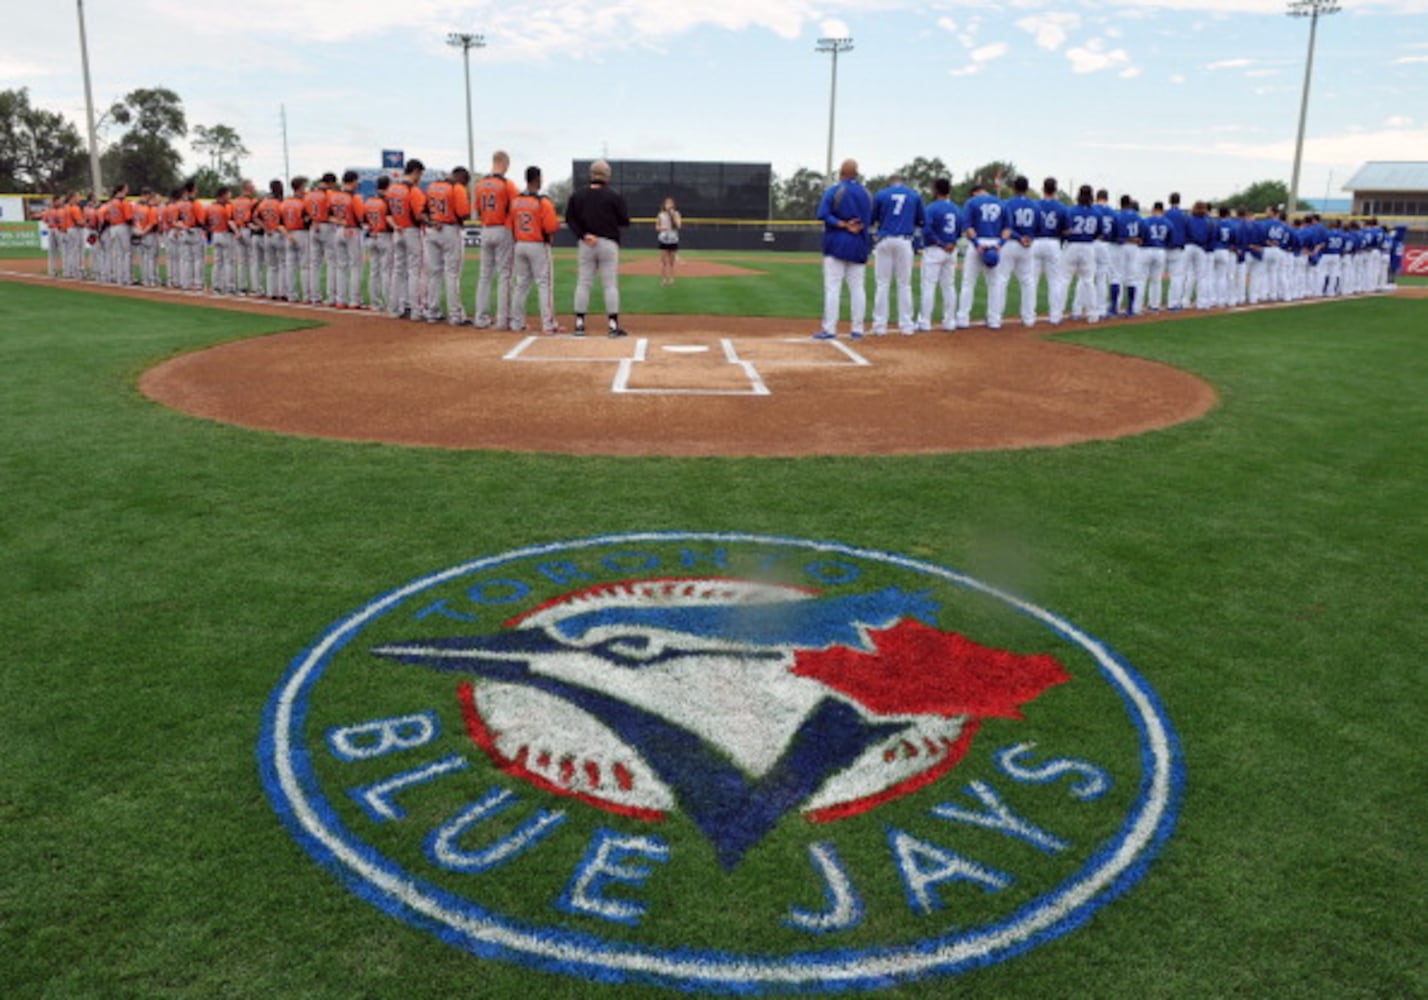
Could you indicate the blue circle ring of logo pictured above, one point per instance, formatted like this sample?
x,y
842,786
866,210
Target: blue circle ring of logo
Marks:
x,y
291,785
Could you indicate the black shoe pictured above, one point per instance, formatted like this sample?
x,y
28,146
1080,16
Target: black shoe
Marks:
x,y
615,331
578,332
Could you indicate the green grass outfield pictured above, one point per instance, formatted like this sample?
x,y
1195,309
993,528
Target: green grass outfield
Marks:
x,y
1263,568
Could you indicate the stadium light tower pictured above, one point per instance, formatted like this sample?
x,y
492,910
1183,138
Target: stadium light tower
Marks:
x,y
465,41
94,179
835,46
1313,10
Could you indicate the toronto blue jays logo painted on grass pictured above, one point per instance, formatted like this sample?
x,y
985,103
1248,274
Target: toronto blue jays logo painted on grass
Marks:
x,y
727,763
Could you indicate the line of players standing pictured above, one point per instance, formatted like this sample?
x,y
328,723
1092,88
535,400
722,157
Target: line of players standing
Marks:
x,y
316,243
1096,261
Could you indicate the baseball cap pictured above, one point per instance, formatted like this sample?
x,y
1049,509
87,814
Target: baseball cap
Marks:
x,y
990,256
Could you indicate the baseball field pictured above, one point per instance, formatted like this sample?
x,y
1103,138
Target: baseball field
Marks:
x,y
1260,569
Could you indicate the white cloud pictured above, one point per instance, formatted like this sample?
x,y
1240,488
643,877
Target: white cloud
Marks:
x,y
1178,79
1352,146
1262,72
1410,59
989,52
1129,73
20,70
1229,64
1397,121
1093,57
1049,30
834,28
971,70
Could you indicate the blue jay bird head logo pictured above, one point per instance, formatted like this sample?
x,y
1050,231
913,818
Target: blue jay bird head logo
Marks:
x,y
535,753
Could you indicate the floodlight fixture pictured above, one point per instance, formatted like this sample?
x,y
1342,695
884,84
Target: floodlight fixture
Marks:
x,y
1312,9
466,41
833,46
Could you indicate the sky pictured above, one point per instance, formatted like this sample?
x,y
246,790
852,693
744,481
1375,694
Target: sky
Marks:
x,y
1139,96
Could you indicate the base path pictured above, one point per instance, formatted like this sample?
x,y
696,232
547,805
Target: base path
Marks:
x,y
679,386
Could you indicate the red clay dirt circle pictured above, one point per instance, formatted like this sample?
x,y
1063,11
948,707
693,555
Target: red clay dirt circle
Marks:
x,y
677,386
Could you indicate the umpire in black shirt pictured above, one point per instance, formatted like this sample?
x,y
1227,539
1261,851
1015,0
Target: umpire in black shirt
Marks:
x,y
596,215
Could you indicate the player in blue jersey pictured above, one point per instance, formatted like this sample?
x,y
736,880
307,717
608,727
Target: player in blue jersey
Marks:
x,y
1106,273
1083,229
1311,248
1294,260
846,212
897,215
1249,258
1018,232
1225,246
1397,244
1276,236
1331,263
983,221
1176,261
1128,262
1052,221
1375,262
1154,246
1199,229
941,230
1353,243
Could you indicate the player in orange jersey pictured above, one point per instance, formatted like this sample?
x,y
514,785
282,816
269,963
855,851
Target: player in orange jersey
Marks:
x,y
269,244
406,206
377,221
170,237
344,216
89,248
146,232
218,220
73,235
115,250
243,238
493,196
320,240
54,241
296,232
533,224
193,243
444,244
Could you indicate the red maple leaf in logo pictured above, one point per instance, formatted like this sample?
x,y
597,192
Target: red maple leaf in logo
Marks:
x,y
918,670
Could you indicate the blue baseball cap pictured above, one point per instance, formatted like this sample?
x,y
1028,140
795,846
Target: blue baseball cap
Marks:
x,y
990,256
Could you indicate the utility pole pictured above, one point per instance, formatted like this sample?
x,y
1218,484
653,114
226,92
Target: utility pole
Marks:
x,y
835,46
466,41
287,167
1312,9
95,180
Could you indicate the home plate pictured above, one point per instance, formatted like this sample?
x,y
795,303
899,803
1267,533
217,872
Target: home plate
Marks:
x,y
689,370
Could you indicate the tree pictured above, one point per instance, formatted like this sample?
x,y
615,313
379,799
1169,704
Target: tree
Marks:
x,y
39,149
996,175
207,182
224,149
1259,196
797,196
560,192
921,172
145,155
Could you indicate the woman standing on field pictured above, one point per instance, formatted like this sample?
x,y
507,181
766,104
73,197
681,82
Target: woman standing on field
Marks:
x,y
667,226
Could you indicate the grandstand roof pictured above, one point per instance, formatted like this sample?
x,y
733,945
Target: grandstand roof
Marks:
x,y
1384,175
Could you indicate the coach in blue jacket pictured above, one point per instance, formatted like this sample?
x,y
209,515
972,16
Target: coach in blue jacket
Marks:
x,y
846,212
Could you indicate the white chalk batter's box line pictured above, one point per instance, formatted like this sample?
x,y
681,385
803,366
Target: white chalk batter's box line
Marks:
x,y
625,366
